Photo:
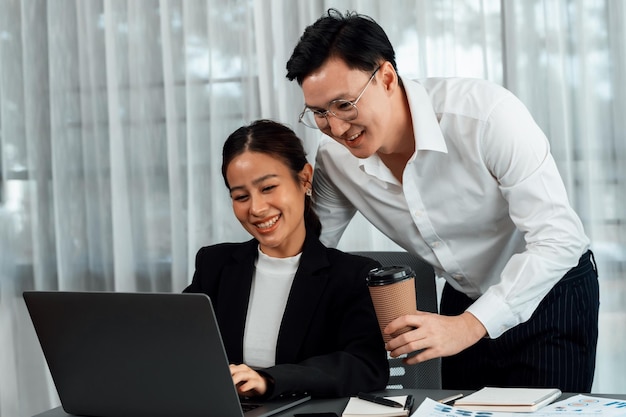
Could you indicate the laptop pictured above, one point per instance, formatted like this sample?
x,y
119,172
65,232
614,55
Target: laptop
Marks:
x,y
116,354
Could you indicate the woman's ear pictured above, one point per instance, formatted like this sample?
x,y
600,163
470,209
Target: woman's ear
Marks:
x,y
306,175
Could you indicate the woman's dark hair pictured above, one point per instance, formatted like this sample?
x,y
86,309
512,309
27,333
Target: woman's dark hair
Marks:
x,y
357,39
277,140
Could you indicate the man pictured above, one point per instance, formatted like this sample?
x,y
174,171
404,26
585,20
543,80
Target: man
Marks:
x,y
457,172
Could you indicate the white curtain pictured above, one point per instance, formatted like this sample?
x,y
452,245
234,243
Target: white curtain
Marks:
x,y
113,114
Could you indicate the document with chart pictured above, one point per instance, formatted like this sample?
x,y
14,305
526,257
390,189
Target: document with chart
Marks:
x,y
578,405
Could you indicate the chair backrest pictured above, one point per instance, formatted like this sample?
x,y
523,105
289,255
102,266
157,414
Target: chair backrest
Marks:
x,y
426,374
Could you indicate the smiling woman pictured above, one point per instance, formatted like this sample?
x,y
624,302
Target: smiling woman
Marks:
x,y
284,280
268,192
268,203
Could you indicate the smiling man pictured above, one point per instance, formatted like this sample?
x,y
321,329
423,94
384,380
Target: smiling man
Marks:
x,y
455,171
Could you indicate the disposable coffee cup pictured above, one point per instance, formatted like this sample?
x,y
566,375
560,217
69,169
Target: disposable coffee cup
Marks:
x,y
392,289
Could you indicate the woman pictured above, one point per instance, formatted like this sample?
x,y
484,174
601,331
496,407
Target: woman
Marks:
x,y
295,316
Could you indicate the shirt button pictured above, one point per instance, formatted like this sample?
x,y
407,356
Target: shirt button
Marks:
x,y
457,277
418,213
434,245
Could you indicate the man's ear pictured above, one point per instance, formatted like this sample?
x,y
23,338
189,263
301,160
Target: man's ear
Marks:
x,y
388,76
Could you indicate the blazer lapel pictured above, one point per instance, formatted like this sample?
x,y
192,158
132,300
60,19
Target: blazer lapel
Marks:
x,y
234,294
306,290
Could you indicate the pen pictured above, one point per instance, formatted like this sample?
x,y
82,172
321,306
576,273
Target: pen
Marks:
x,y
450,400
379,400
408,405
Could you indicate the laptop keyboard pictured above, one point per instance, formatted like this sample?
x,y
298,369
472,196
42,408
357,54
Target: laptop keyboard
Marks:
x,y
245,406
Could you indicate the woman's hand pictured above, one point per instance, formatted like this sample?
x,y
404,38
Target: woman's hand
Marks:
x,y
249,383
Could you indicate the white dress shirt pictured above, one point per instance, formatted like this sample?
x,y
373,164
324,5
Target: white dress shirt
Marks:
x,y
481,198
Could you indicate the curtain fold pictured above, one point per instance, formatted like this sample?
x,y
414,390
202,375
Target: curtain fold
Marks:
x,y
113,114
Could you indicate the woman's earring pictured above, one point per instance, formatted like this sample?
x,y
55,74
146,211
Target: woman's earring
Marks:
x,y
309,192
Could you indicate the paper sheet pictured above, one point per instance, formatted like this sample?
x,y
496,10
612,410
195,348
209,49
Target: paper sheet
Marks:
x,y
578,405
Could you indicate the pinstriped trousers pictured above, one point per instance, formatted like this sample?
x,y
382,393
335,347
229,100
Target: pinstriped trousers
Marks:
x,y
555,348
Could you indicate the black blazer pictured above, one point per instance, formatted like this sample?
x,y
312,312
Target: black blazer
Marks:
x,y
329,343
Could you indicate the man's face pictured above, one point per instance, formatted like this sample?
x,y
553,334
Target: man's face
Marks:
x,y
365,134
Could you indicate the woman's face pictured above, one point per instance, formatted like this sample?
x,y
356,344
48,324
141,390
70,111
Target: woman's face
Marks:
x,y
268,202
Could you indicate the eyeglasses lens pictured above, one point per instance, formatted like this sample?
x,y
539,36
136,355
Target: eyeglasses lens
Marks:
x,y
341,109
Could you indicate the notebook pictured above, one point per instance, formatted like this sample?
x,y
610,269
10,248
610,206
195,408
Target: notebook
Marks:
x,y
116,354
508,399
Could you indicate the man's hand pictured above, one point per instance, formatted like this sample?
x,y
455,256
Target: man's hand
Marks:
x,y
434,334
248,382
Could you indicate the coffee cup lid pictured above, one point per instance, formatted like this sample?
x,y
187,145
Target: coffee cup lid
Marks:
x,y
389,274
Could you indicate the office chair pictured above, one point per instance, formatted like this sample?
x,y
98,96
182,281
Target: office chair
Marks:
x,y
426,374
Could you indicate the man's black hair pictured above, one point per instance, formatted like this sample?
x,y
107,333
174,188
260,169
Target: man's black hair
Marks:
x,y
356,39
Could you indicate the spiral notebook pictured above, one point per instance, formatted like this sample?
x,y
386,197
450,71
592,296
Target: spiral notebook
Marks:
x,y
357,407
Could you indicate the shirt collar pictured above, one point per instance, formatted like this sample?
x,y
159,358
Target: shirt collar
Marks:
x,y
426,129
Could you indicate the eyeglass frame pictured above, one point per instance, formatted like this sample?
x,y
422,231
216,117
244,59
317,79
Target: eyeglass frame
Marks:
x,y
328,111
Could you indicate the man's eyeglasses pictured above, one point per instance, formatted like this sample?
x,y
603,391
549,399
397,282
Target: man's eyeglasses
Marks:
x,y
341,109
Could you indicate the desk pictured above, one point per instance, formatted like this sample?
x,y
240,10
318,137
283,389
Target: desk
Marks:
x,y
338,404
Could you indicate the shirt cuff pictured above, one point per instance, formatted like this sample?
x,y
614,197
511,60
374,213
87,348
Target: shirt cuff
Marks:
x,y
494,314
